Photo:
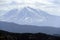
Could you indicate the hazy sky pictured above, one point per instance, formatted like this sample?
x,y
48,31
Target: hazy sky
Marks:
x,y
50,6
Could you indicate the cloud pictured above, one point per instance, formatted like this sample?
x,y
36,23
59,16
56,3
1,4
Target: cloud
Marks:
x,y
5,2
50,6
51,9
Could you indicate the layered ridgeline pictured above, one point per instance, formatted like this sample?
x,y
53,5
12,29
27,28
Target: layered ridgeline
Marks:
x,y
31,16
12,27
5,35
28,16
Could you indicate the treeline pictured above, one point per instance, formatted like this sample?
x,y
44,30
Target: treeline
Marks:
x,y
4,35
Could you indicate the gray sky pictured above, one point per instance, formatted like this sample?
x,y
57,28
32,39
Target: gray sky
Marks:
x,y
50,6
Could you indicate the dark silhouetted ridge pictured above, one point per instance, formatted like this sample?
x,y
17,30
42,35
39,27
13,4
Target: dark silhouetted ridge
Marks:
x,y
5,35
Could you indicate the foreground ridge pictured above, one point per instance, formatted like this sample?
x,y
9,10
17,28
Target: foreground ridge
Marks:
x,y
5,35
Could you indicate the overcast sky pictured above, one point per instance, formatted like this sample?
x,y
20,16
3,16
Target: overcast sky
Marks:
x,y
50,6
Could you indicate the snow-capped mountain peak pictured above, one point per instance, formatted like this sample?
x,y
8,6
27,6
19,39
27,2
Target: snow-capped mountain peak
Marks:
x,y
30,16
25,15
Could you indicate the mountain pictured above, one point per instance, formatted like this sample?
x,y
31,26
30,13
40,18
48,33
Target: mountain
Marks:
x,y
12,27
31,16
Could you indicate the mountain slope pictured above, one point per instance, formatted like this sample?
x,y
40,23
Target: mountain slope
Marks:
x,y
31,16
12,27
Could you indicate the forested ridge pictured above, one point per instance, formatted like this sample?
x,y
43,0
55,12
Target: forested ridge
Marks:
x,y
5,35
